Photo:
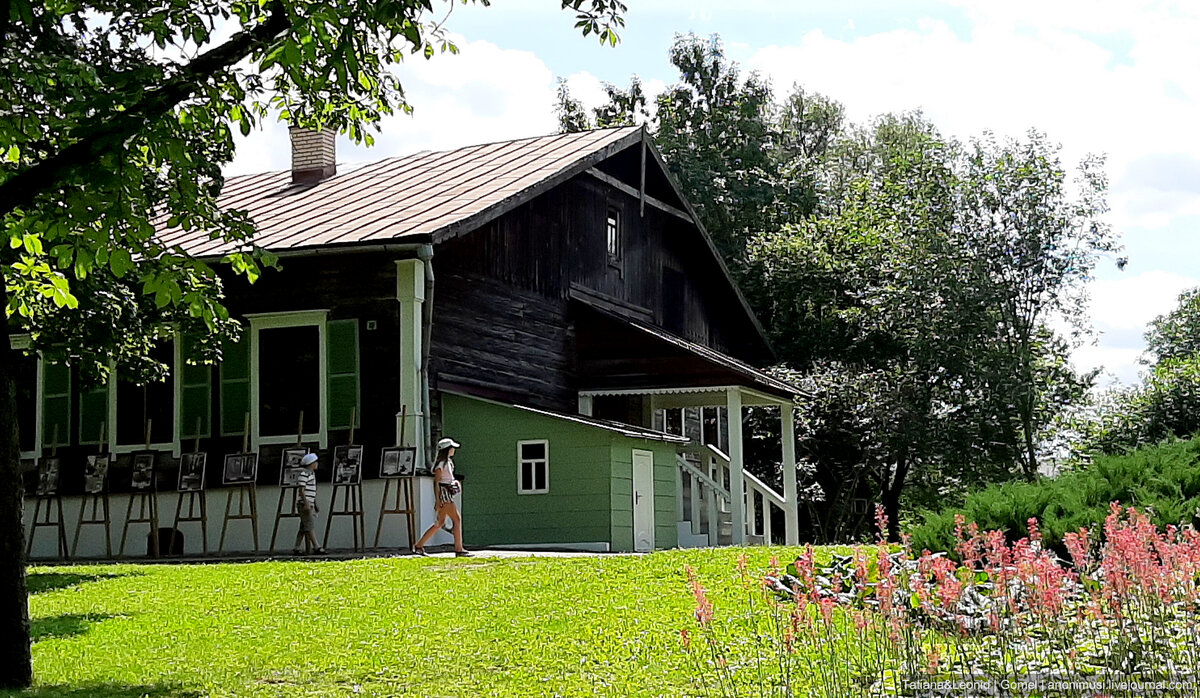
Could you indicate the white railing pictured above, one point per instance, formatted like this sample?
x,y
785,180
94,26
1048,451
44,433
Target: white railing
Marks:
x,y
707,497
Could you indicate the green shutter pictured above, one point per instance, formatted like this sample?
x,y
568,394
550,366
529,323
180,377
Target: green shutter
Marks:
x,y
195,400
341,354
235,386
93,413
56,404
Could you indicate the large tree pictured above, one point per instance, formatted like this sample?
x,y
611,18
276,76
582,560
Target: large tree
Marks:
x,y
118,116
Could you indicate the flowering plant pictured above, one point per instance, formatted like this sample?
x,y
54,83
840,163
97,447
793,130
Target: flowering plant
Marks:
x,y
1004,619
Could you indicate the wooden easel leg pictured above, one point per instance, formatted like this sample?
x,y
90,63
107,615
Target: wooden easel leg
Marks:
x,y
33,527
250,491
155,547
128,516
79,527
203,521
360,517
410,507
62,528
329,518
225,524
175,531
387,487
107,527
278,515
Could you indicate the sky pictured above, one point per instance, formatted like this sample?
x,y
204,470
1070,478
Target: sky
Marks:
x,y
1115,77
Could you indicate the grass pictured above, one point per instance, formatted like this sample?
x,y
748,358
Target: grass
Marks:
x,y
384,627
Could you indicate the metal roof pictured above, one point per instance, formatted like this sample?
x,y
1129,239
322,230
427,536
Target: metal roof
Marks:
x,y
428,195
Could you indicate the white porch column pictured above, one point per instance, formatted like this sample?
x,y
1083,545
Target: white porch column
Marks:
x,y
737,481
791,513
410,292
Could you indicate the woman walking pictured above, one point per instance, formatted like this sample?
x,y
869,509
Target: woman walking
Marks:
x,y
447,487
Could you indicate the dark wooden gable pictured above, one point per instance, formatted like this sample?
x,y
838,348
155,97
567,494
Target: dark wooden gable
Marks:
x,y
509,294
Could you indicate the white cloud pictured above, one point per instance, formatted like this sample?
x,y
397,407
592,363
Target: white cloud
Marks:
x,y
1120,310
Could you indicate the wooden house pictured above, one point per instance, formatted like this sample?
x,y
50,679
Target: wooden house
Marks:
x,y
540,300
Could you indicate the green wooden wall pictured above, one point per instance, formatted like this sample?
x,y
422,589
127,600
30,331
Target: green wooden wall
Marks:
x,y
590,475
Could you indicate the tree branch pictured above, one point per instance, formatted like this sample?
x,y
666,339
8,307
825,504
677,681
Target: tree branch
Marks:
x,y
113,132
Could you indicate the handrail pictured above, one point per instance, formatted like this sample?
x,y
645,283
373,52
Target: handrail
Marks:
x,y
702,476
766,491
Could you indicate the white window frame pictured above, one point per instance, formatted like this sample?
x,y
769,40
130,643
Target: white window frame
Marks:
x,y
22,343
612,242
545,461
173,445
270,321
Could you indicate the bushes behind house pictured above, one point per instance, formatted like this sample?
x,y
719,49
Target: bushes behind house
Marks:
x,y
1163,480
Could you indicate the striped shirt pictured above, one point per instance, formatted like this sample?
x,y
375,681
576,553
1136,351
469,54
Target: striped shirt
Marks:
x,y
308,481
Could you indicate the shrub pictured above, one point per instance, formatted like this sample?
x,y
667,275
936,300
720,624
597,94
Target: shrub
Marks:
x,y
1163,481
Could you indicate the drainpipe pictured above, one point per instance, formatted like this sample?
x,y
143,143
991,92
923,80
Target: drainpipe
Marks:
x,y
425,254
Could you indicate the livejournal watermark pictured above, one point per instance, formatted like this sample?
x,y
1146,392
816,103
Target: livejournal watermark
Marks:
x,y
1054,685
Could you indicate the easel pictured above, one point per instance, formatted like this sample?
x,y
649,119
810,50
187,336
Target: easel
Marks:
x,y
97,499
147,499
352,504
37,510
292,512
245,491
405,504
191,517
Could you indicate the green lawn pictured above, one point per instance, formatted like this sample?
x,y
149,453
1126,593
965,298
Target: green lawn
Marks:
x,y
399,626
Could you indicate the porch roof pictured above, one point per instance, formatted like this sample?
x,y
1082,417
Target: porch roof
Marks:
x,y
626,356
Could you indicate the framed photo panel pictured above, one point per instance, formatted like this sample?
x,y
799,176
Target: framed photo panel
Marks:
x,y
290,470
191,472
143,470
240,469
398,461
347,465
95,473
48,469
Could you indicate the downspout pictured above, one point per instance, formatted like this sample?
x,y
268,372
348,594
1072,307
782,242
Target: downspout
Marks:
x,y
425,254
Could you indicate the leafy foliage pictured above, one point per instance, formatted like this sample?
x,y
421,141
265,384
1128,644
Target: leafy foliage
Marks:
x,y
1162,480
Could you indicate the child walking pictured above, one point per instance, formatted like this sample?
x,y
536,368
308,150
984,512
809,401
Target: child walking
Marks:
x,y
306,506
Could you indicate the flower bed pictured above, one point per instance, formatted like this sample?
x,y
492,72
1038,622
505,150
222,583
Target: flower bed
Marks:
x,y
1120,618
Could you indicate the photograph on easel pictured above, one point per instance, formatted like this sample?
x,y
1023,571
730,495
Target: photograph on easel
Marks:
x,y
47,477
241,468
398,461
95,472
347,465
143,471
191,472
291,471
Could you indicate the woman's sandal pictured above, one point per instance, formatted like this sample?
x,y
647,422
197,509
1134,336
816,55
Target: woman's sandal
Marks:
x,y
463,553
421,552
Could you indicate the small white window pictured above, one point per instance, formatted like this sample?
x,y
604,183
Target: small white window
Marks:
x,y
613,228
533,467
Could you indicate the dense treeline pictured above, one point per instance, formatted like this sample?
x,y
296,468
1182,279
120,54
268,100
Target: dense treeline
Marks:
x,y
909,280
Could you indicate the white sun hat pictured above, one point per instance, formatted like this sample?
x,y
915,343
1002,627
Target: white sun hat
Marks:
x,y
447,443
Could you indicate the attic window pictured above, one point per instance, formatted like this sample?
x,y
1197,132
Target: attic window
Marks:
x,y
613,228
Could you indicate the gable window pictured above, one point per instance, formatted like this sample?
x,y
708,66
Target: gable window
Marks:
x,y
533,467
612,227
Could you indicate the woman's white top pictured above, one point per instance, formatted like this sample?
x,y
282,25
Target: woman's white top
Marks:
x,y
447,471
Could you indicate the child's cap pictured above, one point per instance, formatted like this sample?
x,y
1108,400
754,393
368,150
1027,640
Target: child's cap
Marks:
x,y
308,459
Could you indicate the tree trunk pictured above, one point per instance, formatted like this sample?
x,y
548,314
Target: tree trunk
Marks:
x,y
892,487
17,662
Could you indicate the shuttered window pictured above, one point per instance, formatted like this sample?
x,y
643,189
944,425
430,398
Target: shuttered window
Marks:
x,y
93,415
195,400
56,404
235,387
343,373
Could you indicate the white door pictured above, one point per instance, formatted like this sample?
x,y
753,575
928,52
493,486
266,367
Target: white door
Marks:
x,y
643,501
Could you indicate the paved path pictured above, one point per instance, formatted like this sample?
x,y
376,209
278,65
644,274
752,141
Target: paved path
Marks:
x,y
331,555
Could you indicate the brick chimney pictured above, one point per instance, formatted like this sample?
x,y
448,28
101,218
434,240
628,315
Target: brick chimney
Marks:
x,y
314,154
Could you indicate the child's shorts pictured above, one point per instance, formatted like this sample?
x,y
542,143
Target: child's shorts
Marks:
x,y
307,519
